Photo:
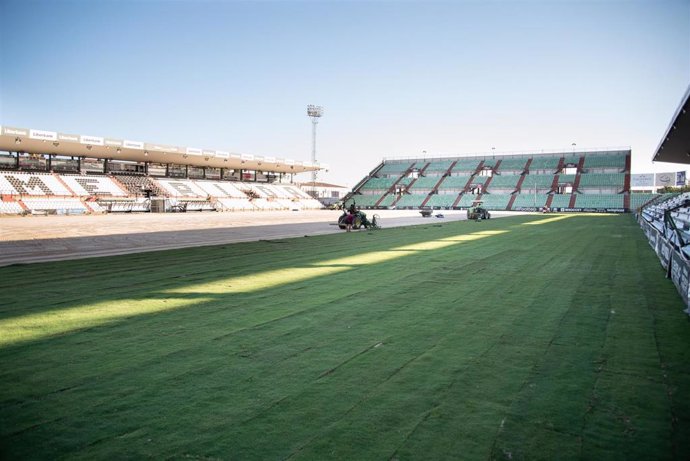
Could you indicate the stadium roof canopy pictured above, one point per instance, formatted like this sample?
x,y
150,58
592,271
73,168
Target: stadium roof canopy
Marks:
x,y
33,141
675,145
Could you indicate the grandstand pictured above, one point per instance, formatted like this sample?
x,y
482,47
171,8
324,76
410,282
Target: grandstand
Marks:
x,y
596,181
49,172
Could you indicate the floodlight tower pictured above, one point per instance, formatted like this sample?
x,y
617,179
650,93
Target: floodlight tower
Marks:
x,y
314,112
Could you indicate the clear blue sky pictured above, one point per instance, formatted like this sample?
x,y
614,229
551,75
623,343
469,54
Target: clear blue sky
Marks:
x,y
395,78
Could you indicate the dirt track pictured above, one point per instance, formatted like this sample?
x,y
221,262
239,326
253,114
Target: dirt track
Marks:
x,y
51,238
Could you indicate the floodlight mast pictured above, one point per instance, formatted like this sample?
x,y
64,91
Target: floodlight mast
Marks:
x,y
314,112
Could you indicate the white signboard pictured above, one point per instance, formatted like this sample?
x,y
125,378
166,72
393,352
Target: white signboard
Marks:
x,y
15,131
665,179
68,137
642,180
93,140
193,151
133,144
44,135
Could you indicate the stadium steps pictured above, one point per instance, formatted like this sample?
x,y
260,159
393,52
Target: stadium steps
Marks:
x,y
578,175
526,167
561,164
573,199
64,184
581,164
549,201
121,186
512,200
392,187
480,167
522,179
554,183
434,190
488,181
576,183
626,200
421,173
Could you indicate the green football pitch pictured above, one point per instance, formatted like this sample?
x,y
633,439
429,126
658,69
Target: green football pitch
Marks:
x,y
532,337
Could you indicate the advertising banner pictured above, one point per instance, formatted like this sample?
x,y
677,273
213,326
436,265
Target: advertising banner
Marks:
x,y
665,179
642,180
14,131
133,144
680,274
664,250
68,137
113,142
43,135
93,140
680,178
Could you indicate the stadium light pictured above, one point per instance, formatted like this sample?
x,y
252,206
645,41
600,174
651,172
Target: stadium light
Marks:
x,y
314,112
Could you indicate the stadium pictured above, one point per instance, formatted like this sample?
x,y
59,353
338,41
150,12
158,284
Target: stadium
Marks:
x,y
162,301
392,344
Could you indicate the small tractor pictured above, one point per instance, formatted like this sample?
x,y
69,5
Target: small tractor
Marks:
x,y
361,220
478,212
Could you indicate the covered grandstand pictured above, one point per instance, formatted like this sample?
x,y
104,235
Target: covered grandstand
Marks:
x,y
50,172
666,220
592,181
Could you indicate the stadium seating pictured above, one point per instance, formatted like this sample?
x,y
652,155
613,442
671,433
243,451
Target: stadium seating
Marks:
x,y
93,185
442,200
608,180
542,181
571,159
234,204
548,164
465,167
55,205
639,200
424,183
495,201
566,178
454,183
610,161
508,182
364,200
438,167
136,185
411,200
395,168
388,200
513,164
181,188
10,207
476,180
561,201
379,183
467,200
21,183
599,201
529,201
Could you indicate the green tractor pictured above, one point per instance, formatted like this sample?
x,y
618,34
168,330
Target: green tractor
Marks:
x,y
360,220
478,212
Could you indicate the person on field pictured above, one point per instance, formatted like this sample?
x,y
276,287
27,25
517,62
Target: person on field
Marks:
x,y
349,221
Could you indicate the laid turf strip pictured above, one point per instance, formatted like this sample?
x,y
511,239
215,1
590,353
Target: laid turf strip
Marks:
x,y
533,337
